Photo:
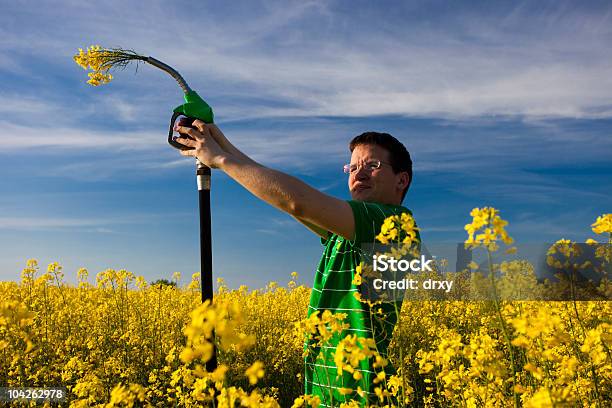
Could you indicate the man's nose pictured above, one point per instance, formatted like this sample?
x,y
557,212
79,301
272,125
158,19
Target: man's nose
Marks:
x,y
362,173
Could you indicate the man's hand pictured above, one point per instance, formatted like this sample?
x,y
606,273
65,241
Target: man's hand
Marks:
x,y
205,147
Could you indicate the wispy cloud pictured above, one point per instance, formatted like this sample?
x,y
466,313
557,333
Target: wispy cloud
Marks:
x,y
268,231
49,223
106,224
281,227
552,227
314,58
329,186
13,104
17,136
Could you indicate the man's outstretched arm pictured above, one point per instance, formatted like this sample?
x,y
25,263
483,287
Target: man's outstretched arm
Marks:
x,y
285,192
315,229
293,196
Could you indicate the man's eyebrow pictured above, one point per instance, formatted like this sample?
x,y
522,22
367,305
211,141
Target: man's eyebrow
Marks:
x,y
368,158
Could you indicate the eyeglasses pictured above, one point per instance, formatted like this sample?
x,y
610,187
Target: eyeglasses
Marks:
x,y
369,166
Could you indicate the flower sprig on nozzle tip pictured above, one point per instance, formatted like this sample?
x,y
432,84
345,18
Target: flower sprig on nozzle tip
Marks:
x,y
102,60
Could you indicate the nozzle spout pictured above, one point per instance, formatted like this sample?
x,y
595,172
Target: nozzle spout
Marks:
x,y
171,71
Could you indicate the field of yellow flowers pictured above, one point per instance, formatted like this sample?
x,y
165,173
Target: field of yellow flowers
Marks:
x,y
119,341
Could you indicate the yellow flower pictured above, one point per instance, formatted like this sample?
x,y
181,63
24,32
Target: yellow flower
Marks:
x,y
255,372
603,224
493,227
219,374
357,277
396,226
98,78
540,399
298,402
380,376
101,60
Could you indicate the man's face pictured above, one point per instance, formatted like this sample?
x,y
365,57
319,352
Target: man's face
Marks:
x,y
379,185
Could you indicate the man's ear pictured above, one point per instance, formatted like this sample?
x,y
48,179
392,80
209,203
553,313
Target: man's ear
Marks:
x,y
403,180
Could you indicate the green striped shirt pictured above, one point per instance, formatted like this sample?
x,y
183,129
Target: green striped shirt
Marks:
x,y
333,290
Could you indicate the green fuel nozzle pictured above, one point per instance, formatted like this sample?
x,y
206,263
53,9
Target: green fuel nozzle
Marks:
x,y
194,107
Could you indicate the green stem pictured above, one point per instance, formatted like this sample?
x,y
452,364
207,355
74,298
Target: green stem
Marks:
x,y
593,372
548,375
504,330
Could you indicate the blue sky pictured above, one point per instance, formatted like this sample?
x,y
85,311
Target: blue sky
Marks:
x,y
505,104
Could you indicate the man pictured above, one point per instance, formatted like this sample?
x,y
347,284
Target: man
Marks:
x,y
380,172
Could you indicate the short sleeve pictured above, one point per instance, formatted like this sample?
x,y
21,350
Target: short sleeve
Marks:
x,y
369,218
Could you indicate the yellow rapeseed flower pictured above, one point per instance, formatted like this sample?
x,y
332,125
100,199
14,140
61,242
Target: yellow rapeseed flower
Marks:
x,y
603,224
255,372
493,229
101,60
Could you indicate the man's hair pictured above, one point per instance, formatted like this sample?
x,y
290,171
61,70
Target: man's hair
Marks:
x,y
399,157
